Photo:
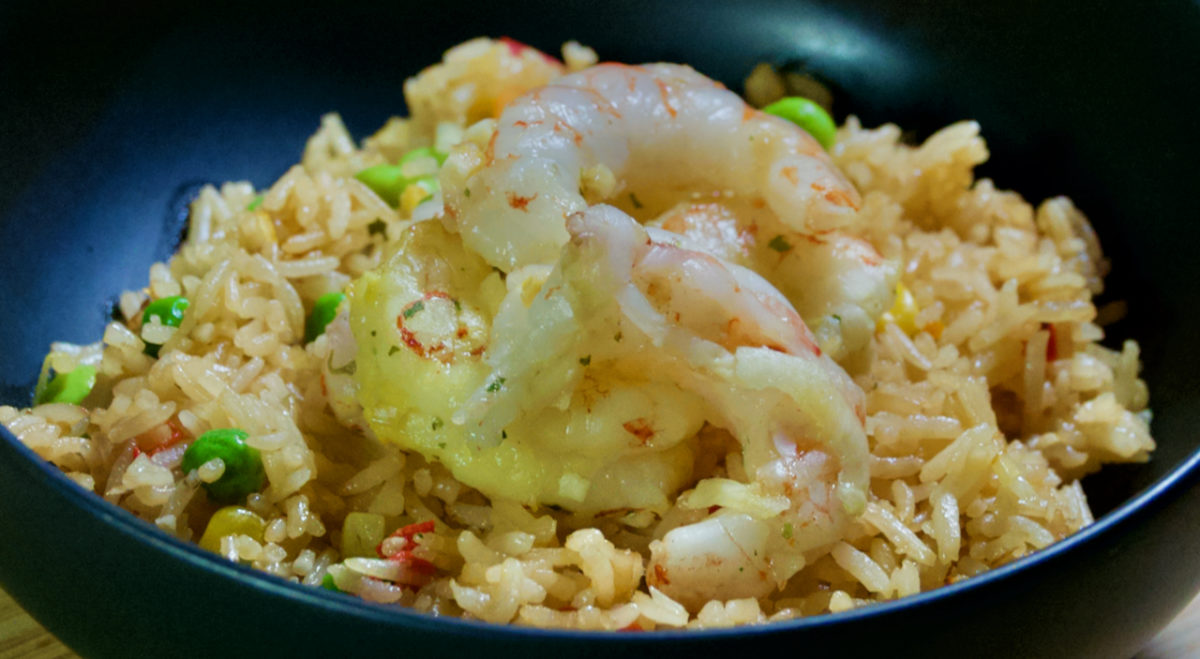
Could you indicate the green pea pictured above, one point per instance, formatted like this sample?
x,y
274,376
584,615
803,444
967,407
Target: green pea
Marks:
x,y
243,465
807,115
323,312
169,311
70,387
387,181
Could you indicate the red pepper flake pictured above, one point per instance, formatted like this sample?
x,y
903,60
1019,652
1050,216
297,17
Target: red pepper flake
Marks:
x,y
632,627
410,339
576,136
489,155
517,48
161,437
520,203
406,532
660,575
665,93
414,563
712,509
639,428
415,571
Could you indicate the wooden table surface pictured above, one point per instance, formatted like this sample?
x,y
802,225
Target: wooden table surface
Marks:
x,y
21,636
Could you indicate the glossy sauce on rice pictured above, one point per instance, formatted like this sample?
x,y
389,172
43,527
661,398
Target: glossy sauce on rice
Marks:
x,y
986,395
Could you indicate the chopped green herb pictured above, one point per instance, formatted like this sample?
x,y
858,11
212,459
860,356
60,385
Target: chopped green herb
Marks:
x,y
741,569
393,350
617,336
437,423
414,309
503,434
634,200
378,228
457,305
837,318
467,193
495,385
779,244
253,205
585,360
323,312
787,531
441,445
328,584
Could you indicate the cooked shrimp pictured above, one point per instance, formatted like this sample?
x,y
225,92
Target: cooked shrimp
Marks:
x,y
583,377
628,298
654,129
839,283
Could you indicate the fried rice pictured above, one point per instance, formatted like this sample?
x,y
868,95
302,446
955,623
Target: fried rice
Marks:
x,y
987,392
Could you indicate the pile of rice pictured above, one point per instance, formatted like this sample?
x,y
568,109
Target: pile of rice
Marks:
x,y
988,396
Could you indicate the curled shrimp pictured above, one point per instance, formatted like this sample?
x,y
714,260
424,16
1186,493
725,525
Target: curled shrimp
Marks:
x,y
624,294
548,348
838,283
650,129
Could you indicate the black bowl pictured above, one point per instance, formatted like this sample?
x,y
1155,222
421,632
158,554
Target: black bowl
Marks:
x,y
113,115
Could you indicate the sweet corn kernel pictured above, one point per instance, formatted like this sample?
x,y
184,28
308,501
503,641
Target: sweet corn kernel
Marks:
x,y
256,230
415,193
231,520
903,312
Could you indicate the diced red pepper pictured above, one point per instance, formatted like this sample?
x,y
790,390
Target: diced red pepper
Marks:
x,y
414,563
162,436
632,627
415,571
406,532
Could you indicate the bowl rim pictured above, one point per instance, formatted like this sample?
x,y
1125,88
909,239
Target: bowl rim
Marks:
x,y
394,616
